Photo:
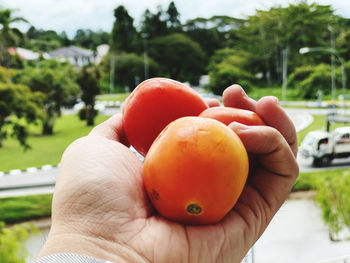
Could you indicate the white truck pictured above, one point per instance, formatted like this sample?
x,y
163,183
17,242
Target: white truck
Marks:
x,y
324,146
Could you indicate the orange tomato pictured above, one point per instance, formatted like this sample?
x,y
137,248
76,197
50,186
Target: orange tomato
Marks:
x,y
227,115
195,170
153,105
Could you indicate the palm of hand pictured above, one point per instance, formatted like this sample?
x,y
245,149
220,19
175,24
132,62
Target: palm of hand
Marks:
x,y
99,196
106,200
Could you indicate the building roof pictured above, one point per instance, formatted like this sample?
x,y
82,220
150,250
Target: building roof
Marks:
x,y
26,54
71,51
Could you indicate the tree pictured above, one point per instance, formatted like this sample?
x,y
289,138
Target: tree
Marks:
x,y
212,33
123,32
18,107
309,79
267,33
129,69
90,39
8,36
88,80
41,40
56,81
178,57
153,24
229,67
173,15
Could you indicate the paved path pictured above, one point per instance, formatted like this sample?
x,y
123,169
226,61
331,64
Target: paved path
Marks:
x,y
28,183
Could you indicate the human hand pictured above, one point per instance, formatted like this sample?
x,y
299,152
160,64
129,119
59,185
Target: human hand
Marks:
x,y
100,207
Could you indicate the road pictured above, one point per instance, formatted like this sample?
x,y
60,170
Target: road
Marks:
x,y
43,181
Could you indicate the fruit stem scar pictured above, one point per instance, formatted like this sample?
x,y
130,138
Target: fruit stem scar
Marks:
x,y
194,209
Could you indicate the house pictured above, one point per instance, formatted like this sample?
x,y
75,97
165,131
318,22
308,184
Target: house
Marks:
x,y
77,56
26,54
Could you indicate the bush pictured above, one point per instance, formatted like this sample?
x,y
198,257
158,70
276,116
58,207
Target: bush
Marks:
x,y
306,182
308,80
227,73
334,198
227,67
128,70
84,111
11,242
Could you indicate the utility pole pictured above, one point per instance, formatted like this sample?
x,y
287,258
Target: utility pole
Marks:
x,y
330,28
284,73
145,55
112,77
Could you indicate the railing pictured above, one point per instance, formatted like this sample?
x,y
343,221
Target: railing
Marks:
x,y
341,259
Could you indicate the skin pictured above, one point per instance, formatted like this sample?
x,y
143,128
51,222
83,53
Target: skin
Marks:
x,y
100,207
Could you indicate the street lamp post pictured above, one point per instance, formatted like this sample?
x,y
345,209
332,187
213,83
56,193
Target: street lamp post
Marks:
x,y
305,50
145,55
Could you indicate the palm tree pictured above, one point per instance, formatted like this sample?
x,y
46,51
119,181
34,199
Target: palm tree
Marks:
x,y
8,36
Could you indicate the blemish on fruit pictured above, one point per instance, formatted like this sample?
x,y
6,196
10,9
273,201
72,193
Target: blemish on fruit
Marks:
x,y
194,209
154,195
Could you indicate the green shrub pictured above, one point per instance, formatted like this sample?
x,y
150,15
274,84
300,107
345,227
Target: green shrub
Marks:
x,y
306,182
334,198
11,242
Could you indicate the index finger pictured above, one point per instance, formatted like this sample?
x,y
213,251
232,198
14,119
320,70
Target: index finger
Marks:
x,y
269,110
111,129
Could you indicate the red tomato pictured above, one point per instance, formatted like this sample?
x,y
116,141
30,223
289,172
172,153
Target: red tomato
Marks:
x,y
195,170
153,105
227,115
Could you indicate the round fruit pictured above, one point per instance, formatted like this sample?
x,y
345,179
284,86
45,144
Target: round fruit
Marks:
x,y
195,170
226,115
153,105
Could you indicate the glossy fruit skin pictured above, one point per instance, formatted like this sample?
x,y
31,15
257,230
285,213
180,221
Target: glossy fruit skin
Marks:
x,y
153,105
226,115
197,164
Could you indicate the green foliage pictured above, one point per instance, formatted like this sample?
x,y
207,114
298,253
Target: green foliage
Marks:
x,y
42,40
11,242
44,149
173,16
178,57
9,36
123,33
86,114
306,182
309,79
88,80
267,33
18,107
22,208
153,24
57,81
128,69
334,198
227,68
90,39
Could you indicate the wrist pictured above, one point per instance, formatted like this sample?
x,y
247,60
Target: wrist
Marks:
x,y
89,246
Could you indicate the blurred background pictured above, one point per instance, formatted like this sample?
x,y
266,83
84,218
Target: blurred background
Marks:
x,y
66,66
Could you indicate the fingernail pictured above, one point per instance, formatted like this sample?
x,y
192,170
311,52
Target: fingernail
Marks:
x,y
275,100
237,126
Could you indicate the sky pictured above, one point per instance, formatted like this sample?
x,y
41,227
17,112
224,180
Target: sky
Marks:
x,y
70,15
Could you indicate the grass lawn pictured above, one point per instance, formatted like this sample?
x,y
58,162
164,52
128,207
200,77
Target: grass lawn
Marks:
x,y
113,97
45,149
312,180
23,208
319,123
257,93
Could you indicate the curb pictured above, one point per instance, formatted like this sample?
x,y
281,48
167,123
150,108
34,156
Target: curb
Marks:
x,y
15,172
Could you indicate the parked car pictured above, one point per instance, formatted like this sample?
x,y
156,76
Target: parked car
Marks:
x,y
324,146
